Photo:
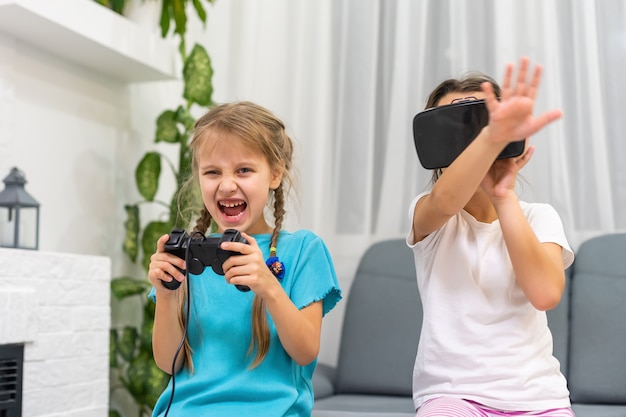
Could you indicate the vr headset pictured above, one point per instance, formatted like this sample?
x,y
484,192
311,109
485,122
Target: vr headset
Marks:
x,y
442,133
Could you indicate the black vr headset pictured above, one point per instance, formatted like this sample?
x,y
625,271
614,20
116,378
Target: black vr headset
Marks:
x,y
442,133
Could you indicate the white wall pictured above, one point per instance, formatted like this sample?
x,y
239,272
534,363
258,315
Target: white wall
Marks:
x,y
60,127
57,306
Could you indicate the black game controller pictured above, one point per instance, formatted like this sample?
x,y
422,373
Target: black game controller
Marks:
x,y
200,251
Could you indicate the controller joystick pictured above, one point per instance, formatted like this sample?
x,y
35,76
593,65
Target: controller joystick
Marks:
x,y
200,252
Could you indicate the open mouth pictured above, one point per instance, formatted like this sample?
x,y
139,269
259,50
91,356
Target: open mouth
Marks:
x,y
232,208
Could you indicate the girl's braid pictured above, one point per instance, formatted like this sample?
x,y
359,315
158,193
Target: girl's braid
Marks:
x,y
279,214
203,222
260,327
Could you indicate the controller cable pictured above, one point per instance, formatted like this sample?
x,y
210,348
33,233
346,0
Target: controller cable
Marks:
x,y
182,342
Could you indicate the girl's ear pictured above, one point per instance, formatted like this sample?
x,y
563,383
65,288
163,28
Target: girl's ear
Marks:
x,y
277,177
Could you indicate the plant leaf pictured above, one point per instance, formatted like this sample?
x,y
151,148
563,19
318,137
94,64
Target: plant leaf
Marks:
x,y
197,75
146,382
128,343
145,336
184,117
113,349
118,6
166,129
131,238
200,10
156,382
165,19
147,175
180,17
151,233
182,49
137,374
126,287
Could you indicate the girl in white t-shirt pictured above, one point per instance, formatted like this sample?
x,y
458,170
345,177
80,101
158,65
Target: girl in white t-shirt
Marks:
x,y
488,267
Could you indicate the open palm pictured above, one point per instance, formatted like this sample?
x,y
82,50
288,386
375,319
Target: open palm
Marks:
x,y
511,118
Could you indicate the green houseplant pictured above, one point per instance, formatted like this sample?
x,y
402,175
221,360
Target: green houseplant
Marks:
x,y
132,366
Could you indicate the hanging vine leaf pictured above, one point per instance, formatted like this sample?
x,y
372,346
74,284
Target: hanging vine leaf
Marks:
x,y
116,5
145,380
166,129
151,233
145,333
180,16
131,239
200,10
127,343
197,75
113,349
185,118
157,382
165,19
123,287
137,374
147,175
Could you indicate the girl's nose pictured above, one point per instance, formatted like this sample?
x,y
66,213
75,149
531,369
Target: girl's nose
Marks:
x,y
228,186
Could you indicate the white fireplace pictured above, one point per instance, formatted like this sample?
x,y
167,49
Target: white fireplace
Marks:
x,y
58,306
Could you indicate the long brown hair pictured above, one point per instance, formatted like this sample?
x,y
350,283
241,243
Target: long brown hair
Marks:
x,y
261,131
468,83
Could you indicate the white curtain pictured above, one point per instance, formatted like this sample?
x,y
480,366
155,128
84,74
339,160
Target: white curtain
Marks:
x,y
347,76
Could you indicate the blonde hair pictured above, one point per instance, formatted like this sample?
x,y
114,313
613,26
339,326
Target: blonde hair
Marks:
x,y
259,130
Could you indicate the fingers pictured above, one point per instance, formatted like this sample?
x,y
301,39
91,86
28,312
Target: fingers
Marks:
x,y
491,101
165,266
534,83
251,241
165,272
240,247
248,267
506,84
525,158
546,118
521,87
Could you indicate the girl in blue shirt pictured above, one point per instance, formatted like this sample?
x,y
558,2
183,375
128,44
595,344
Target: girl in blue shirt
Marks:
x,y
243,353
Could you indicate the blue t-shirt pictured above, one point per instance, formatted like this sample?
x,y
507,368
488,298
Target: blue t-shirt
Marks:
x,y
220,330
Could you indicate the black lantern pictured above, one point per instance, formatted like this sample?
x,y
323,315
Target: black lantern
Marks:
x,y
19,214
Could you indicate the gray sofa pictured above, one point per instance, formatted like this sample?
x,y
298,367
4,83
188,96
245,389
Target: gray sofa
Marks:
x,y
383,319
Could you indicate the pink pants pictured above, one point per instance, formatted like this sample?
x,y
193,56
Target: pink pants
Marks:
x,y
454,407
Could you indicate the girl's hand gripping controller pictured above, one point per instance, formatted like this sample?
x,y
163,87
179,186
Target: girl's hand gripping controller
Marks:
x,y
200,251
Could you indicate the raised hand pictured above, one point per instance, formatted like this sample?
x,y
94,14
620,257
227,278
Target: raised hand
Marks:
x,y
511,118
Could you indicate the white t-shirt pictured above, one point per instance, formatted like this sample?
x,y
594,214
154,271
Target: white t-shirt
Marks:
x,y
481,339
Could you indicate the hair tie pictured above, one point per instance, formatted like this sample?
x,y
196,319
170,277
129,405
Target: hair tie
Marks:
x,y
275,265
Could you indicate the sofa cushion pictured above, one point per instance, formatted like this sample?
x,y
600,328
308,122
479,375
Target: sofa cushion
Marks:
x,y
366,404
323,378
598,322
381,325
594,410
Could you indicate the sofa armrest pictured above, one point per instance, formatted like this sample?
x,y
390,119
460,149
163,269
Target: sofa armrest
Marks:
x,y
323,381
